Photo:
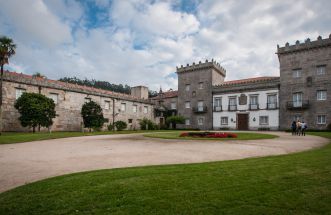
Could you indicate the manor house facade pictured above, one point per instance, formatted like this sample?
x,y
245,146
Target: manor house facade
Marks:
x,y
203,98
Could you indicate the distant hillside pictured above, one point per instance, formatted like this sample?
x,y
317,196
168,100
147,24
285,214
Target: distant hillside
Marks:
x,y
105,85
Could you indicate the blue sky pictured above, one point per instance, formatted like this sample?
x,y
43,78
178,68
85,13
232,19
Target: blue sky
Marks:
x,y
140,42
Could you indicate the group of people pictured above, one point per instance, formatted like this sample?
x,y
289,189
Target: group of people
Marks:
x,y
299,128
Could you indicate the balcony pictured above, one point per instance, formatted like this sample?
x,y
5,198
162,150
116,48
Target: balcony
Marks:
x,y
217,108
253,106
232,108
272,106
298,105
200,109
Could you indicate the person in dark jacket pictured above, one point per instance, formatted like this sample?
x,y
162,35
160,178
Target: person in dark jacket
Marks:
x,y
294,128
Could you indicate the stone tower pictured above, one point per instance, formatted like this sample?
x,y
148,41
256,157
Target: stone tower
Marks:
x,y
140,92
305,83
195,93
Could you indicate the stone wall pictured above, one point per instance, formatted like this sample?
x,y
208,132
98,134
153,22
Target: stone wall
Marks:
x,y
69,105
306,57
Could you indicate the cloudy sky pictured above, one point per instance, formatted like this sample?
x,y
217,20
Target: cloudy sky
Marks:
x,y
140,42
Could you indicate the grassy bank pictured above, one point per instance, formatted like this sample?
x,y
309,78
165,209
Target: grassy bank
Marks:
x,y
241,136
17,137
288,184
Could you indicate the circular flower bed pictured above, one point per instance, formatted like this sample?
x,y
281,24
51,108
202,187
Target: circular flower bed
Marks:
x,y
209,134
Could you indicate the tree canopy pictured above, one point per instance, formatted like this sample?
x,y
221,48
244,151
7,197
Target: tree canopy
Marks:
x,y
36,110
92,115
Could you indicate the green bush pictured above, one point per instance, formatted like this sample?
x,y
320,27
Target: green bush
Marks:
x,y
110,127
174,120
328,127
146,124
120,125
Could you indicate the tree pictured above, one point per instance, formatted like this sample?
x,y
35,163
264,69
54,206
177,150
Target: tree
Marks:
x,y
146,124
174,120
7,49
35,110
92,115
120,125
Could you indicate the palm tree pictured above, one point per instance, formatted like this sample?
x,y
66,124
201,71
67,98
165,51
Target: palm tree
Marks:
x,y
7,49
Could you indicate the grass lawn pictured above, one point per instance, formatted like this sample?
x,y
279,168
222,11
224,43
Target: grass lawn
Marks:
x,y
289,184
16,137
241,136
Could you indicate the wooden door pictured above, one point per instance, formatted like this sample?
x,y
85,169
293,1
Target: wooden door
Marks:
x,y
242,121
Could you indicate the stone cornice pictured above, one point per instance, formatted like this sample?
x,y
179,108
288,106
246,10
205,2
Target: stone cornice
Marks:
x,y
262,85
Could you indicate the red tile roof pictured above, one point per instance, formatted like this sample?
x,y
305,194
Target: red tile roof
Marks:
x,y
69,86
249,80
168,94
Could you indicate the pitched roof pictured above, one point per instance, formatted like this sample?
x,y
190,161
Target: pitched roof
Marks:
x,y
165,95
250,80
40,81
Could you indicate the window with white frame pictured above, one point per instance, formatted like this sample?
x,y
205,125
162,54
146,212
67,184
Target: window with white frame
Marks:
x,y
107,105
232,103
200,85
54,97
200,121
253,102
264,120
187,122
224,120
145,109
187,105
19,92
321,95
187,87
200,105
320,70
123,107
217,103
321,119
87,100
297,73
272,101
173,105
297,99
134,108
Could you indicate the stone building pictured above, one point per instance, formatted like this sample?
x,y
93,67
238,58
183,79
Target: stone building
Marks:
x,y
195,99
247,104
305,83
69,99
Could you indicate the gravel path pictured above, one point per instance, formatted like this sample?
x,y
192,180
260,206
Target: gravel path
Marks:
x,y
23,163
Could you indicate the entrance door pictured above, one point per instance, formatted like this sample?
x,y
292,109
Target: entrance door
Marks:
x,y
161,121
242,121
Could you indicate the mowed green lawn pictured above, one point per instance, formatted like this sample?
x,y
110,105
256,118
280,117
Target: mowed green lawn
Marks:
x,y
289,184
17,137
241,136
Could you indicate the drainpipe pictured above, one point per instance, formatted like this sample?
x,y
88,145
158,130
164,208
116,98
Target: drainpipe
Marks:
x,y
113,113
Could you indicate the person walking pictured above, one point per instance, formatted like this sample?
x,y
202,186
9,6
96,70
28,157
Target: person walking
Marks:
x,y
298,128
303,128
294,128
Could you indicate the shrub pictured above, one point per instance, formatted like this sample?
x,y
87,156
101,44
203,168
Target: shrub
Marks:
x,y
35,110
110,127
120,125
174,120
329,127
146,124
92,115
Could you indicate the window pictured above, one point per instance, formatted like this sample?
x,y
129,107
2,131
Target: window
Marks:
x,y
145,109
187,122
200,85
320,70
297,99
130,121
217,103
87,100
187,87
224,120
297,73
321,95
123,107
253,102
200,105
173,105
272,101
264,120
232,103
54,96
187,105
19,92
321,119
200,121
134,108
107,105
